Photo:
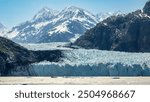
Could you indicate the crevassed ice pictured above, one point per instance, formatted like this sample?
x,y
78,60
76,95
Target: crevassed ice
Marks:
x,y
82,62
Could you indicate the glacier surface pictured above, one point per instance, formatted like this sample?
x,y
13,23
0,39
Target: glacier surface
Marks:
x,y
83,62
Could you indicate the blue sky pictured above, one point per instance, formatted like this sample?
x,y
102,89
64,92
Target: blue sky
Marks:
x,y
13,12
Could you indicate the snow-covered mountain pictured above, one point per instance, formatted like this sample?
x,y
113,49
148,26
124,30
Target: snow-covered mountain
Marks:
x,y
52,26
33,30
45,14
102,16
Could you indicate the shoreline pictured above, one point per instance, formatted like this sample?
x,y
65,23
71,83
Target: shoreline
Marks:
x,y
75,81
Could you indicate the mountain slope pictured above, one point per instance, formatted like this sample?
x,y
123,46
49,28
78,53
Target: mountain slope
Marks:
x,y
45,14
52,26
13,55
30,31
129,33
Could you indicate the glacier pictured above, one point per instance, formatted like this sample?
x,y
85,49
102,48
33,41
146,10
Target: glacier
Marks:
x,y
88,62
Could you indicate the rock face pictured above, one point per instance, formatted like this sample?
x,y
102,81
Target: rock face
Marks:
x,y
146,8
128,33
52,56
13,55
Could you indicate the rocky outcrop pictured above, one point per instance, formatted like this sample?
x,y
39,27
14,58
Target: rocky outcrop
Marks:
x,y
128,33
146,8
13,55
2,65
52,56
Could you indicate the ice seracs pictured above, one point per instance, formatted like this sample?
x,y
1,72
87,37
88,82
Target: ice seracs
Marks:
x,y
83,62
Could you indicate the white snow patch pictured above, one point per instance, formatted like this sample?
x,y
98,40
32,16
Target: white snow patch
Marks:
x,y
59,29
105,24
41,24
75,38
79,19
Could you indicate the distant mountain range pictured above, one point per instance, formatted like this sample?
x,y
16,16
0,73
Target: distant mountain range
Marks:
x,y
53,26
101,16
129,33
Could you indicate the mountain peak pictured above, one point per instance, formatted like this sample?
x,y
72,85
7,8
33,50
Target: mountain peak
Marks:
x,y
103,15
146,8
72,8
45,13
45,9
76,12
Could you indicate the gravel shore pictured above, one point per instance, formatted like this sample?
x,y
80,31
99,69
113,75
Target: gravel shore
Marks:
x,y
75,81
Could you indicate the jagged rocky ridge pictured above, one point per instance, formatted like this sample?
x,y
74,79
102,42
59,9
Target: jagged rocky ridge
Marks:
x,y
13,55
129,33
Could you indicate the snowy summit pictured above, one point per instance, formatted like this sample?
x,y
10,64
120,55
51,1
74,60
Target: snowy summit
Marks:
x,y
49,25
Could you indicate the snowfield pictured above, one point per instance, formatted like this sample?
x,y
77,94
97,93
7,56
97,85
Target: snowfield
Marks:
x,y
83,62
